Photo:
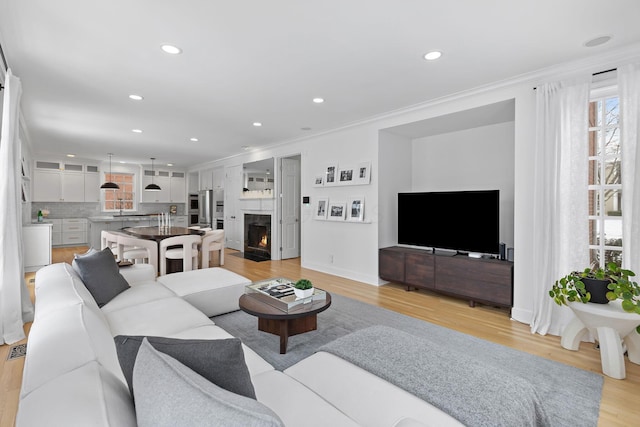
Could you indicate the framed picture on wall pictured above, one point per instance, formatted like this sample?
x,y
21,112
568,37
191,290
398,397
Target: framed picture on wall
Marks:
x,y
346,175
363,173
337,211
355,209
331,174
318,180
321,208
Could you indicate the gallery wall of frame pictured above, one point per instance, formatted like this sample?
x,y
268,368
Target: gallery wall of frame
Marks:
x,y
351,209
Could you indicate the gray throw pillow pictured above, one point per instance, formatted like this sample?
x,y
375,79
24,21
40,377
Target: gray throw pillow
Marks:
x,y
101,275
219,361
167,393
74,264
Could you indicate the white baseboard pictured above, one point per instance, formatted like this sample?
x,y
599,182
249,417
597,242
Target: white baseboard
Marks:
x,y
347,274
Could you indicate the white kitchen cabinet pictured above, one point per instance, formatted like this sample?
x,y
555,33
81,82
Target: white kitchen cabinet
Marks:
x,y
56,232
206,179
95,231
47,186
92,186
218,178
180,221
68,182
162,179
74,231
72,187
173,187
178,187
36,246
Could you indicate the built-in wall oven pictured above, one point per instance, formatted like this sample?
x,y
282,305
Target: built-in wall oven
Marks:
x,y
193,209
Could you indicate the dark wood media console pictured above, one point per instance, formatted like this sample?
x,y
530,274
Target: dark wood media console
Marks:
x,y
488,281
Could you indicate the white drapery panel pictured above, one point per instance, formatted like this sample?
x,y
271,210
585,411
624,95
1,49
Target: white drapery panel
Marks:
x,y
561,239
629,91
15,304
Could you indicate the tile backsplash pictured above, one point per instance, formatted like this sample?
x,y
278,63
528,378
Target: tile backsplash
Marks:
x,y
85,210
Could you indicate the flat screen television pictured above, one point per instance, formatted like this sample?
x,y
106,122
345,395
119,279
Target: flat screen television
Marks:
x,y
464,221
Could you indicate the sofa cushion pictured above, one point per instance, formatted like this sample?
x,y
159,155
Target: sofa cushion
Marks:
x,y
137,295
297,405
213,291
86,396
58,286
219,361
101,275
167,393
74,264
161,317
64,340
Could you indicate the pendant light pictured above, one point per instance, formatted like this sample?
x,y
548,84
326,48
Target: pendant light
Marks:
x,y
110,185
152,186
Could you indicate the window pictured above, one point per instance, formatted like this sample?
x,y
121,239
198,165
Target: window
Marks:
x,y
605,184
123,198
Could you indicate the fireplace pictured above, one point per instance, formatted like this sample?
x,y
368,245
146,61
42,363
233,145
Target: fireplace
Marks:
x,y
257,237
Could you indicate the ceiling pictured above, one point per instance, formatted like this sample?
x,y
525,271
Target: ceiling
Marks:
x,y
264,61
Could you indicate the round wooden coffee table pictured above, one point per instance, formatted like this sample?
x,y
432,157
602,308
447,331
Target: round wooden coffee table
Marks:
x,y
285,325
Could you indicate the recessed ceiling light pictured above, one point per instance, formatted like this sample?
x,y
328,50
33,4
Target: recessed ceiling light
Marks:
x,y
257,124
173,50
193,139
71,155
123,162
433,55
169,164
597,41
136,130
305,128
318,100
136,97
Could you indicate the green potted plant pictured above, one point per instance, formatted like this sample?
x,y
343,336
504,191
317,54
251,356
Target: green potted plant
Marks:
x,y
303,288
614,283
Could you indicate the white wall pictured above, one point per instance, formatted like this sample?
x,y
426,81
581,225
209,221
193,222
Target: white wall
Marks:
x,y
394,154
473,159
342,248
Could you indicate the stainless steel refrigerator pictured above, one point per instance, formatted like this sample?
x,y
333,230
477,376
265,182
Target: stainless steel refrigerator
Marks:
x,y
210,208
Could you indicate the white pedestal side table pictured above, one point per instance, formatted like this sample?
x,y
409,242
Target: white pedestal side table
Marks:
x,y
612,326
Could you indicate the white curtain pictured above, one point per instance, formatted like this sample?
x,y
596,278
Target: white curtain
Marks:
x,y
15,304
561,240
629,90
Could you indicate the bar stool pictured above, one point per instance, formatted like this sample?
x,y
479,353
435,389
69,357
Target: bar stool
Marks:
x,y
188,252
132,248
212,241
109,240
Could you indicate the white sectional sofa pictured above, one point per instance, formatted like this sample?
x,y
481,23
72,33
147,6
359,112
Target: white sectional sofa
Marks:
x,y
72,376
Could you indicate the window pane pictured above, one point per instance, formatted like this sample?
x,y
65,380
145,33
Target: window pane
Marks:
x,y
594,172
614,256
594,202
596,136
612,142
613,202
612,172
613,112
594,257
595,113
612,232
594,235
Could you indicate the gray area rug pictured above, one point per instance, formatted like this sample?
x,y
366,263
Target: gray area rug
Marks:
x,y
571,396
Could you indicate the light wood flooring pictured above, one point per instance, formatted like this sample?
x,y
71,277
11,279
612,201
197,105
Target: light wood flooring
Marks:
x,y
619,406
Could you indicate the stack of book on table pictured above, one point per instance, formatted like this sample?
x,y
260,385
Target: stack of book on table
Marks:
x,y
279,293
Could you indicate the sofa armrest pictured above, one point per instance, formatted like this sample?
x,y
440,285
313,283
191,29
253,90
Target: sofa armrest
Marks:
x,y
138,273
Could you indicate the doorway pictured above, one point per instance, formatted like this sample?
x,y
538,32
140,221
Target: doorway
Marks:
x,y
289,211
